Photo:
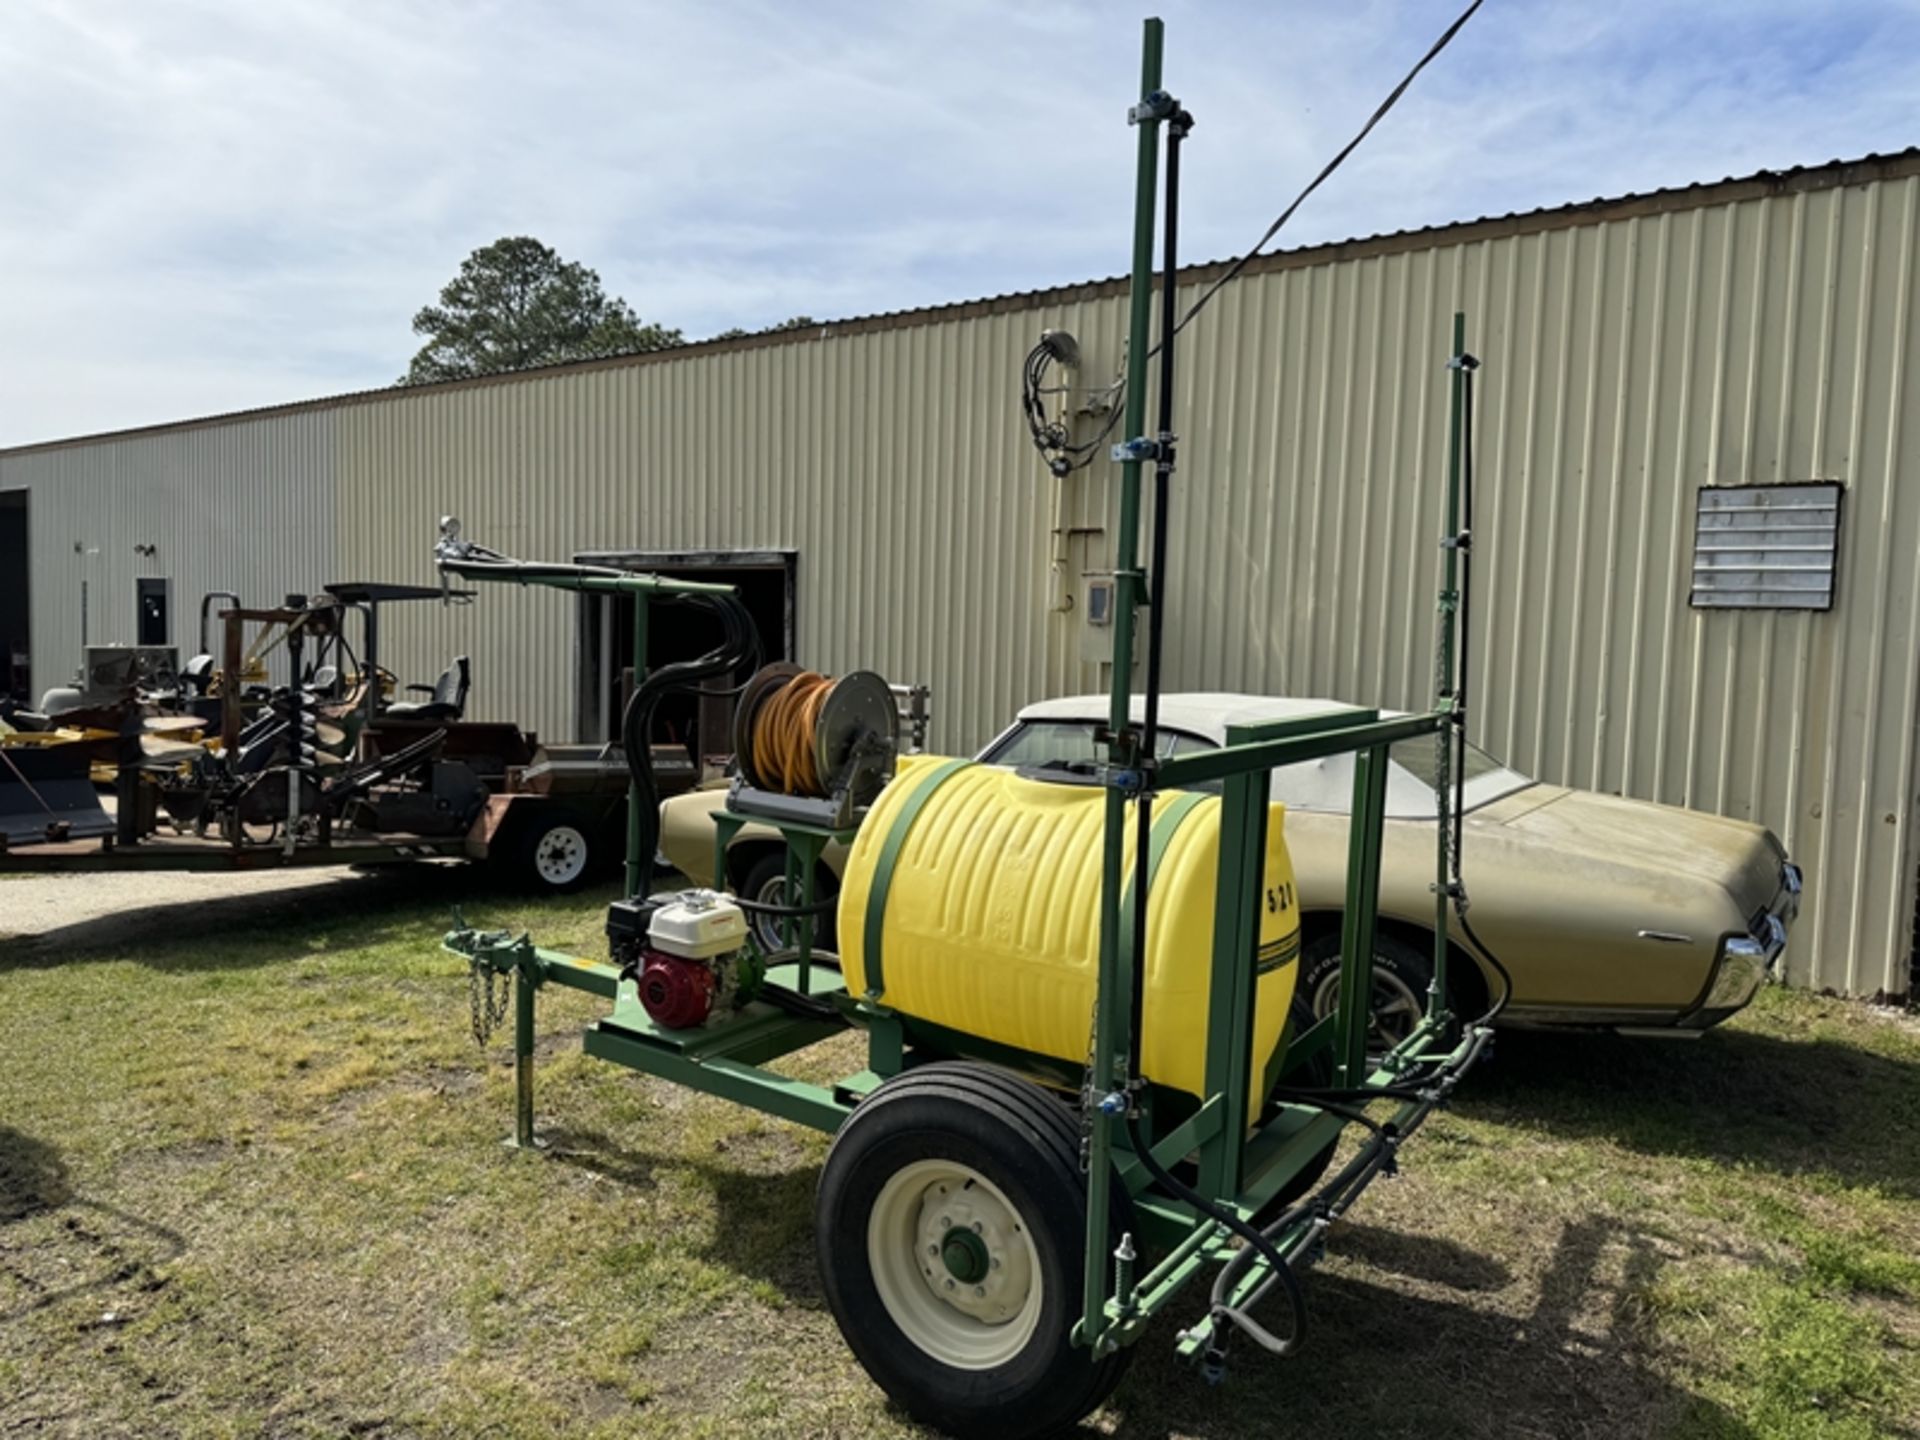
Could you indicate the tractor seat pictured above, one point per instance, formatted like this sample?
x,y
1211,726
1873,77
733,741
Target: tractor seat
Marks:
x,y
449,696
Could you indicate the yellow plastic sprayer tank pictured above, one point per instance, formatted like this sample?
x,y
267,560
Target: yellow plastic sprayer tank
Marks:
x,y
983,888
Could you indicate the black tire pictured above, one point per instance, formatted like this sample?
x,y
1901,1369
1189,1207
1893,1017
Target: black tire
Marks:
x,y
1026,1379
1402,976
554,850
766,882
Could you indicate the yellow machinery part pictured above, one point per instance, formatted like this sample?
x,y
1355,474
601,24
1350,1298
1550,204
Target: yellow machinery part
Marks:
x,y
990,923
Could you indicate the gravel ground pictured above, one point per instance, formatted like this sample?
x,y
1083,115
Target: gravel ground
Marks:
x,y
42,913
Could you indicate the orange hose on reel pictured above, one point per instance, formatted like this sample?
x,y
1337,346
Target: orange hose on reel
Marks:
x,y
783,734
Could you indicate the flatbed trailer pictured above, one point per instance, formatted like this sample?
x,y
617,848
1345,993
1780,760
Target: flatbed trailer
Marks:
x,y
566,829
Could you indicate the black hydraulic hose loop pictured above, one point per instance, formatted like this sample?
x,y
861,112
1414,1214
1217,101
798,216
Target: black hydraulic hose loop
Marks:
x,y
738,648
1258,1243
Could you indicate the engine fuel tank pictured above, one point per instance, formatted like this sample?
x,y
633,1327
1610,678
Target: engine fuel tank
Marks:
x,y
974,894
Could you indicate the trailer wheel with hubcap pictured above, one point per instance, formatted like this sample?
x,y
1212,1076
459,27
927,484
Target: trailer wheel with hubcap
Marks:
x,y
949,1228
553,850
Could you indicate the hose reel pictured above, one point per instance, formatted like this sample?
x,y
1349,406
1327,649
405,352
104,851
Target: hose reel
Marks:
x,y
812,749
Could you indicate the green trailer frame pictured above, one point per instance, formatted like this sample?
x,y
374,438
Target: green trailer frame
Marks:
x,y
1242,1163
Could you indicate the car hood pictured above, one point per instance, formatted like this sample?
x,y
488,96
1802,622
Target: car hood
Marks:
x,y
1742,858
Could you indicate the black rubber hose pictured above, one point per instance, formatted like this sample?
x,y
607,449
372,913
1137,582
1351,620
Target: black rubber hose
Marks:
x,y
1352,1095
807,1007
1460,705
1156,591
764,907
738,648
1257,1240
1331,1199
788,956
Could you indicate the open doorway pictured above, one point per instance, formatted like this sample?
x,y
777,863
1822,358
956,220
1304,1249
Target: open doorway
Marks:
x,y
765,582
16,600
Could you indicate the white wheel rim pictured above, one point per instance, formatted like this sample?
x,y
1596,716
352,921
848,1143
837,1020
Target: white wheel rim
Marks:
x,y
969,1318
561,855
1396,1009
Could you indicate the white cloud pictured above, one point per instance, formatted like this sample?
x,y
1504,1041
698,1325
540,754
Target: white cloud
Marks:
x,y
217,204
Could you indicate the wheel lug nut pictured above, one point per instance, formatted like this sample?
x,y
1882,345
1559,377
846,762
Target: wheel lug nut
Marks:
x,y
980,1290
950,1284
946,1222
978,1228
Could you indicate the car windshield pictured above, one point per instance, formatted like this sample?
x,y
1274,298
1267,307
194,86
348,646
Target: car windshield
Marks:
x,y
1037,744
1319,785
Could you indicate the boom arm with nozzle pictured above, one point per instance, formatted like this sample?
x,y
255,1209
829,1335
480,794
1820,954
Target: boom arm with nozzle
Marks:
x,y
737,653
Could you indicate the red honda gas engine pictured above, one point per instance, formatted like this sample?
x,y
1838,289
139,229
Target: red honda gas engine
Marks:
x,y
694,959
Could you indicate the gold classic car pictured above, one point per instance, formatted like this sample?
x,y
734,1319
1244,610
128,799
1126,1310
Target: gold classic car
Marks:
x,y
1607,912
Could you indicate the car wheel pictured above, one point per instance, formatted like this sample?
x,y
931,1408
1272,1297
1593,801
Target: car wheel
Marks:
x,y
950,1227
1402,975
766,883
555,852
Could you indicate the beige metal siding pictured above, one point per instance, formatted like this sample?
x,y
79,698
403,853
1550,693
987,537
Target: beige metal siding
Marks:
x,y
1628,361
1754,331
246,507
1627,364
890,461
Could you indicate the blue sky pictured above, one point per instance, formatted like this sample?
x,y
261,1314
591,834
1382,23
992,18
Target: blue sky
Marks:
x,y
216,204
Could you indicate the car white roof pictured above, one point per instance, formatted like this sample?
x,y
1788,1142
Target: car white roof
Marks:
x,y
1207,713
1324,785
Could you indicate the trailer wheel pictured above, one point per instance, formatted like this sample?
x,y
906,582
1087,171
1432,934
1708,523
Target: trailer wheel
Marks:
x,y
554,851
949,1229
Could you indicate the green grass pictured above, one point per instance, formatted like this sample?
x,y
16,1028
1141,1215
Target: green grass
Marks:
x,y
251,1184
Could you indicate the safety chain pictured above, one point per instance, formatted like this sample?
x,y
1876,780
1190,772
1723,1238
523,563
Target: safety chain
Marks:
x,y
487,995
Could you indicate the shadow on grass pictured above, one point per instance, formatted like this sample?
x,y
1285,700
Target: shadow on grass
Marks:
x,y
256,927
1410,1335
1385,1360
1792,1106
62,1234
762,1223
33,1177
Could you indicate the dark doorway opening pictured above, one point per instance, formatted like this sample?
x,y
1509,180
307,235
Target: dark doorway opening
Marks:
x,y
153,611
16,600
765,582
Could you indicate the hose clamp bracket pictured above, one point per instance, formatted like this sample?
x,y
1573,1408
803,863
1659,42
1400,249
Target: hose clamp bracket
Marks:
x,y
1155,107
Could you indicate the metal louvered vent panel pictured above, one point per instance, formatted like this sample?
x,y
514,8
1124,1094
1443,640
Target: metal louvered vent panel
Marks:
x,y
1765,547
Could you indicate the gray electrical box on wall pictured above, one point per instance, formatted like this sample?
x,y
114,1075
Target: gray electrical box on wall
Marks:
x,y
1096,618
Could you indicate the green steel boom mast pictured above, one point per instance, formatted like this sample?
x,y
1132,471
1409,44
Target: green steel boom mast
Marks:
x,y
1113,1002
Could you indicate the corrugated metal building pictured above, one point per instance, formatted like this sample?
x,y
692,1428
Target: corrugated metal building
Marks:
x,y
1749,332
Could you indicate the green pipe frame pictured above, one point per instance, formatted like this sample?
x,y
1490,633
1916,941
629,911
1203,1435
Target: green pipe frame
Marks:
x,y
1224,1153
1242,1165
